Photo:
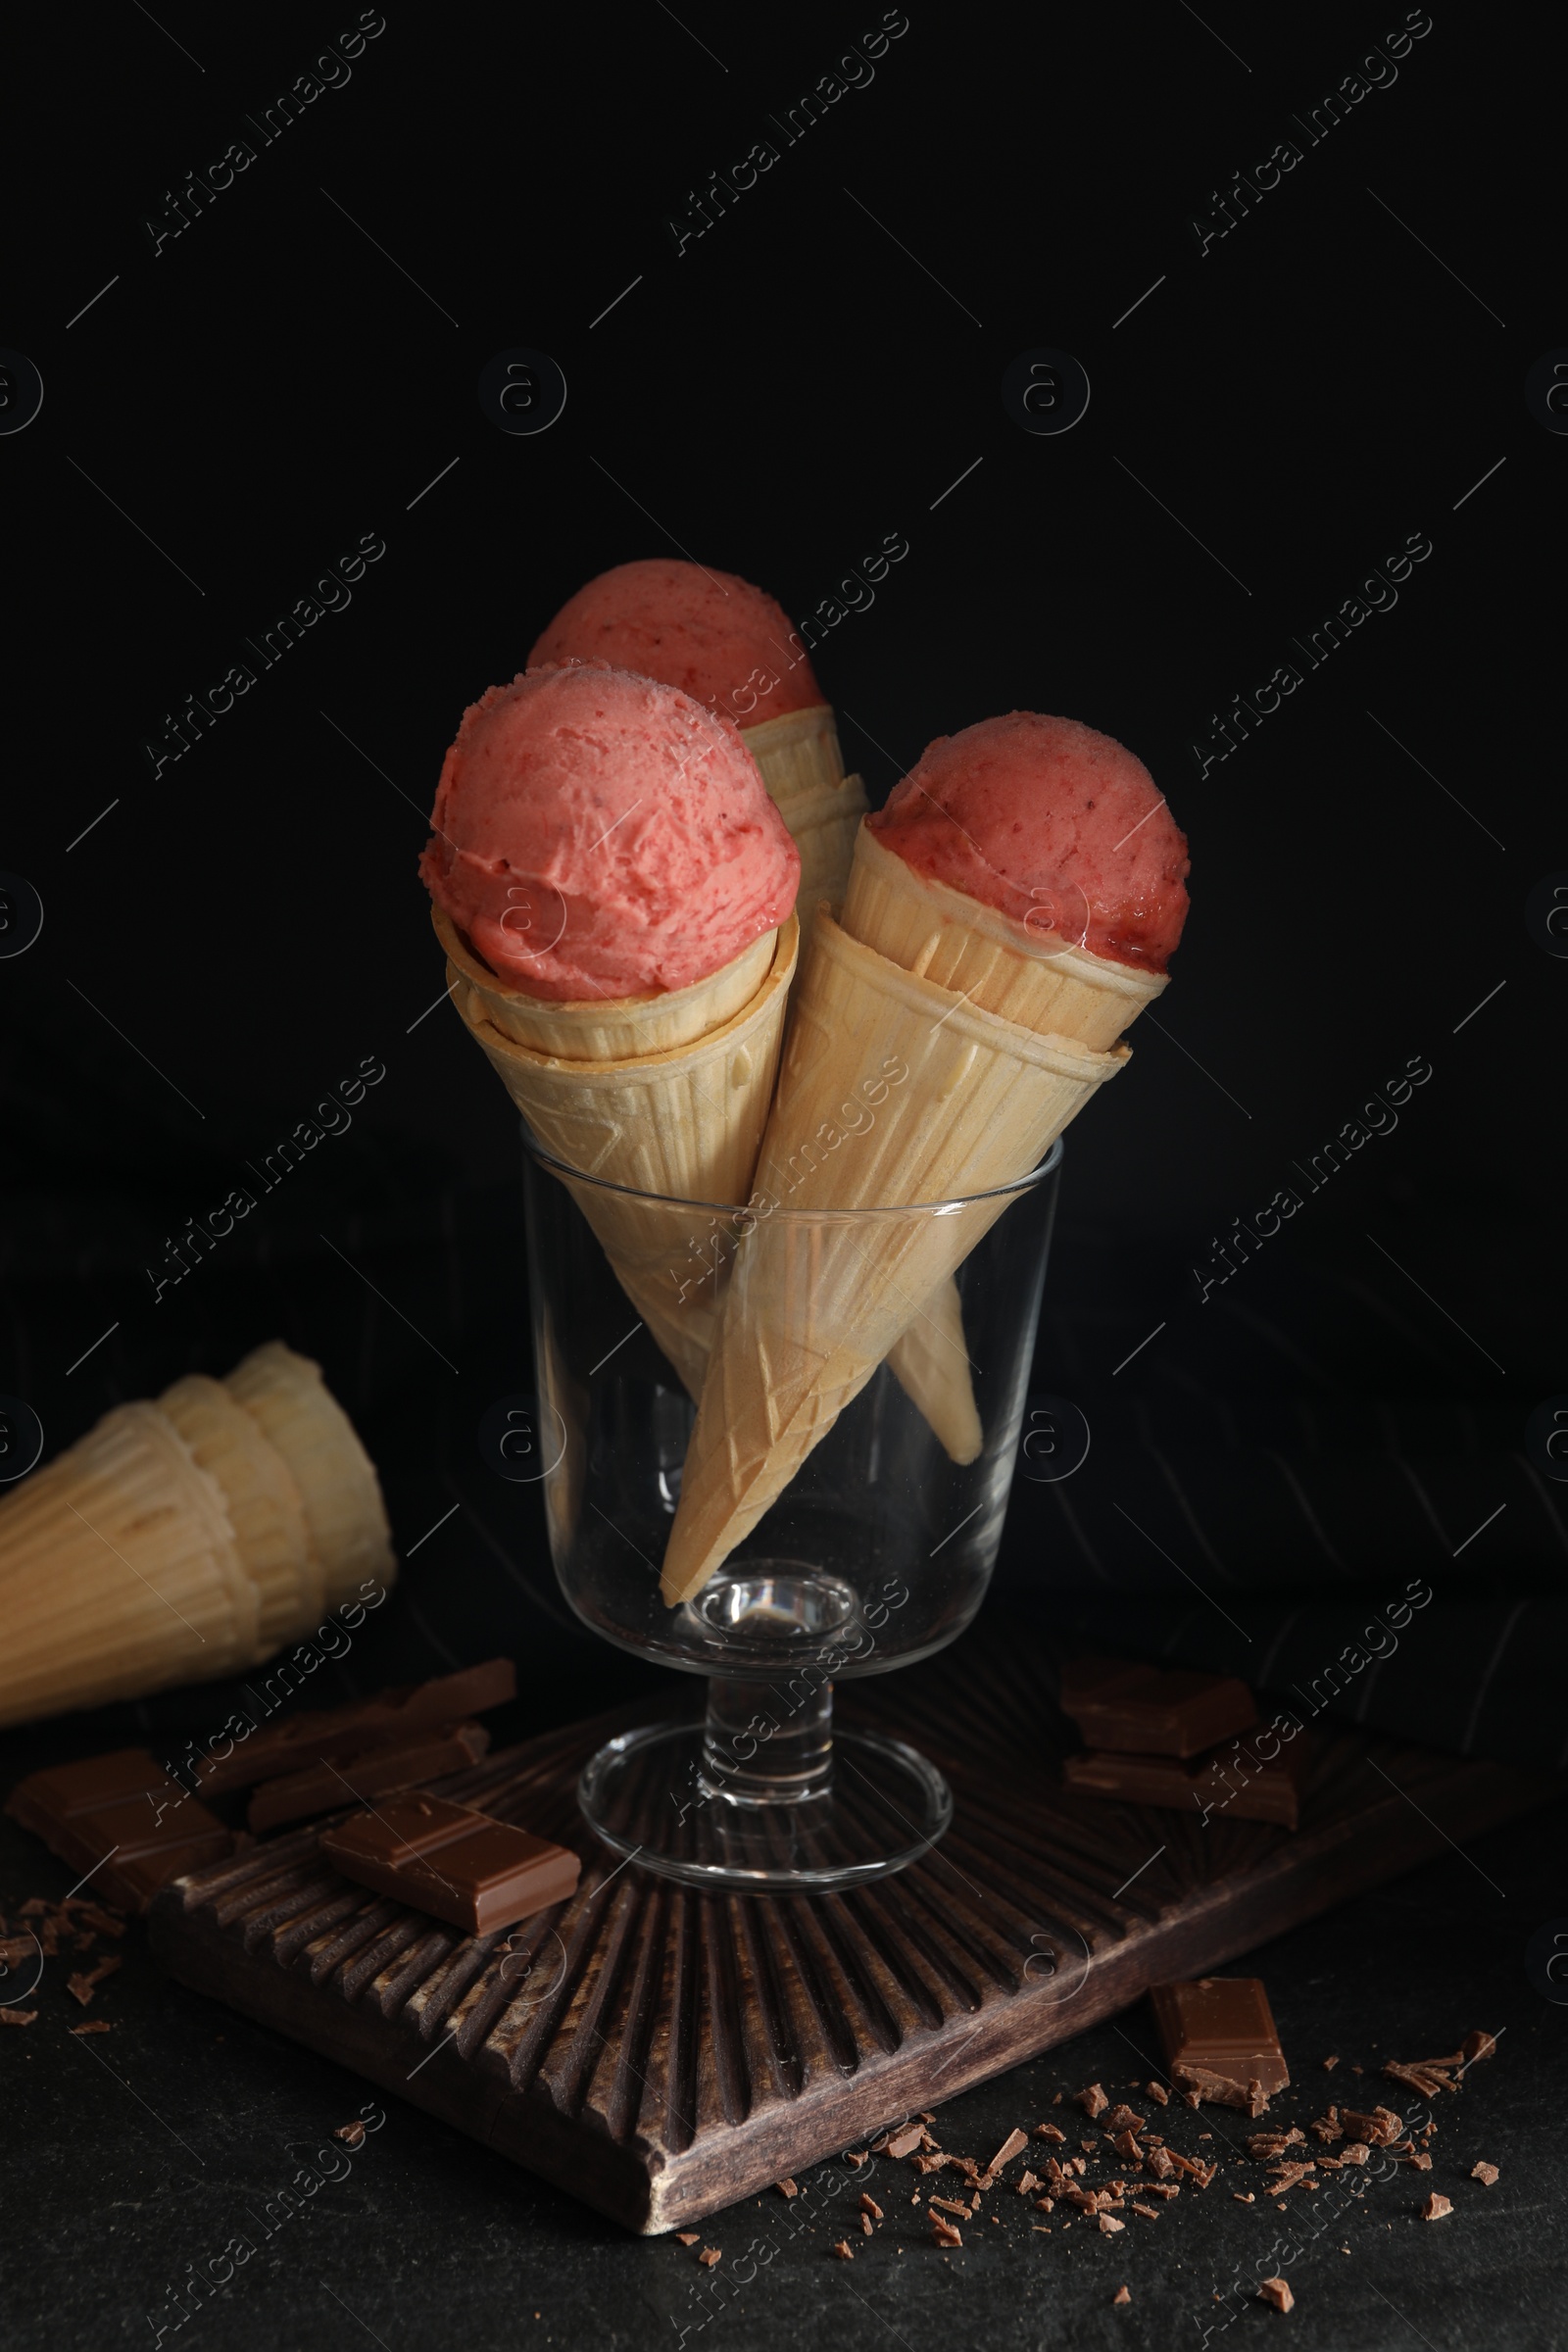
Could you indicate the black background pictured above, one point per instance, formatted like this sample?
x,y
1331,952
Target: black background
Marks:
x,y
817,370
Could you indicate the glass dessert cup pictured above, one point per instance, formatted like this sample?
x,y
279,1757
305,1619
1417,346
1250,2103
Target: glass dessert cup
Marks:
x,y
878,1553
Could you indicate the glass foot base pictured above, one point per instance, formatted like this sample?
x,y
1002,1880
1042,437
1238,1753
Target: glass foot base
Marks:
x,y
651,1795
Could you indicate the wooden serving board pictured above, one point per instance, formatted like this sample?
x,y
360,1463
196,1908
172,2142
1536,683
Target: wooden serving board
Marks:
x,y
660,2053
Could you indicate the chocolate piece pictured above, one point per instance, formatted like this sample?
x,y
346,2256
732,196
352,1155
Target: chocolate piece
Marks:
x,y
1122,2296
1435,2208
1477,2046
123,1820
1378,2130
1013,2145
1093,2101
688,2238
18,2017
1220,2025
1483,2172
945,2234
870,2205
1152,1710
462,1866
709,2255
1244,1788
347,1730
904,2142
787,2188
1277,2293
328,1786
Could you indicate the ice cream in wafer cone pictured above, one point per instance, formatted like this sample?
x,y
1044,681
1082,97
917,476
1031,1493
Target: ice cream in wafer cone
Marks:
x,y
1028,878
893,1091
635,1018
120,1573
263,1504
345,1517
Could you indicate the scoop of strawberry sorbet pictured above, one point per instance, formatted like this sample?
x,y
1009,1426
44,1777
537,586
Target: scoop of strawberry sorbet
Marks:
x,y
599,835
1050,822
710,633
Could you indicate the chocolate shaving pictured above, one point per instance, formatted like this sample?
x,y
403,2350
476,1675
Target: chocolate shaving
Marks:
x,y
951,2205
94,2025
1151,2213
1266,2146
18,2017
945,2234
1286,2177
868,2204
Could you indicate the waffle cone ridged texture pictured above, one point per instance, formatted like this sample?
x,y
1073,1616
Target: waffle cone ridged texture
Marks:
x,y
803,768
1043,983
929,1099
684,1123
345,1517
118,1573
263,1502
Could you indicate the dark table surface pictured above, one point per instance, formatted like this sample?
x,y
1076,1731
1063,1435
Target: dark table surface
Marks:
x,y
136,2156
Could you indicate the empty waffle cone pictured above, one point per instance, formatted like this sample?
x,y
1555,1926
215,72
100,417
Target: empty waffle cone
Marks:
x,y
1036,979
118,1573
684,1123
803,770
263,1502
344,1514
925,1099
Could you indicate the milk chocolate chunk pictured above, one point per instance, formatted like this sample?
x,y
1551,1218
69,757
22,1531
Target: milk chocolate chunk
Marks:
x,y
1220,2028
121,1820
327,1787
364,1723
465,1867
1152,1710
1243,1787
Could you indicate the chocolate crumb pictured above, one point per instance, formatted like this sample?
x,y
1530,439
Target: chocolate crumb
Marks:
x,y
855,2156
1151,2213
843,2249
1329,2064
1436,2207
1025,2181
1483,2172
688,2238
351,2135
710,2255
1421,2163
1477,2046
866,2224
1050,2131
1157,2093
1093,2101
787,2188
1243,2198
94,2025
1277,2294
1123,2118
1121,2295
1056,2101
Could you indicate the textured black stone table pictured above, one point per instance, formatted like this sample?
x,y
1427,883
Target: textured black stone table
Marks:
x,y
134,2157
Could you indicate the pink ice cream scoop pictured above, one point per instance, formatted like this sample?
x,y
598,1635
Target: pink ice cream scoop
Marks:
x,y
714,636
1059,827
599,835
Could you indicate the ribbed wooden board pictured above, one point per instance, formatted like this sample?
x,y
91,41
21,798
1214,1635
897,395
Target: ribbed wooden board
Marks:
x,y
675,2051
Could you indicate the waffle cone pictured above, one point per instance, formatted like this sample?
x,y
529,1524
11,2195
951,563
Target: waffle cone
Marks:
x,y
345,1518
607,1028
263,1502
684,1123
894,1091
120,1573
1043,983
803,770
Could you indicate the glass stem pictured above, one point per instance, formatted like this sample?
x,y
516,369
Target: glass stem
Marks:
x,y
768,1744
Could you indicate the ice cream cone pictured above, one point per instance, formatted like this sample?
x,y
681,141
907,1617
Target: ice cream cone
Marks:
x,y
893,1092
681,1120
1037,979
264,1505
120,1573
804,772
286,1397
